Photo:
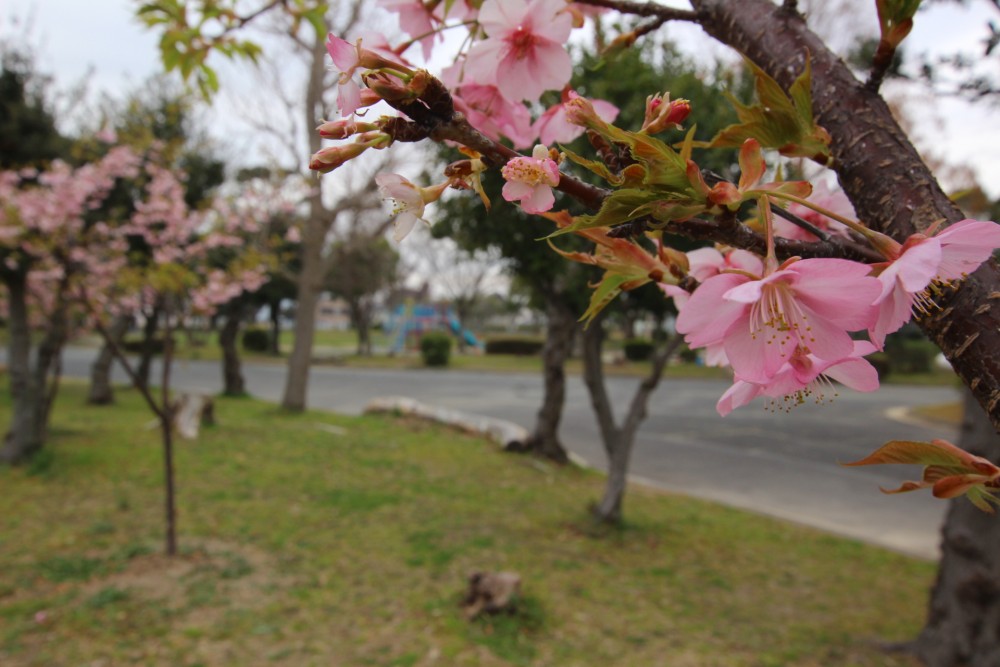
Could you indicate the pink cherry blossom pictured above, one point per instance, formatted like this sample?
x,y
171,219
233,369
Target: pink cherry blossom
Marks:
x,y
530,180
525,54
348,57
806,377
809,304
408,200
707,262
945,257
492,114
553,127
823,196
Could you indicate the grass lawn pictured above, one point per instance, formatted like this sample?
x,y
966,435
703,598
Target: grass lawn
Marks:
x,y
325,540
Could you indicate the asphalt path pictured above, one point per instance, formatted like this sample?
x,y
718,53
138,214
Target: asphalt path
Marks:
x,y
784,465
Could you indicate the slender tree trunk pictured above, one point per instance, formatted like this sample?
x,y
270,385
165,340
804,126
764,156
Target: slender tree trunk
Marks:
x,y
166,414
297,380
148,349
314,239
233,383
618,441
101,391
559,334
361,318
963,622
275,342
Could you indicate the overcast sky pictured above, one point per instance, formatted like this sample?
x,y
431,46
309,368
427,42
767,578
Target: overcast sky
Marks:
x,y
101,40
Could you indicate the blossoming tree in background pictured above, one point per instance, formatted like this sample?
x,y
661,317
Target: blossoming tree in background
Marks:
x,y
787,322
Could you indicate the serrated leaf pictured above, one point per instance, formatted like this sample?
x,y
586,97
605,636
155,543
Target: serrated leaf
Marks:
x,y
606,291
950,471
778,121
618,207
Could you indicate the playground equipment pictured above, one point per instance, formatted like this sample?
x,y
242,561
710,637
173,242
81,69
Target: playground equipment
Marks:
x,y
412,320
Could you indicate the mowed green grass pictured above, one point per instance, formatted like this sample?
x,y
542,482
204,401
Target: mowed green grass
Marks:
x,y
324,540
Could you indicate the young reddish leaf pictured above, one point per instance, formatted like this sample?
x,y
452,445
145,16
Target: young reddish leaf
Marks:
x,y
950,471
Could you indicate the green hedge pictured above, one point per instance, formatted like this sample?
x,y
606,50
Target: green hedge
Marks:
x,y
435,348
638,349
521,345
135,345
256,340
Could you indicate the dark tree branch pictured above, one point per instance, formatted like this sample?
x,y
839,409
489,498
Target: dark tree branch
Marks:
x,y
644,9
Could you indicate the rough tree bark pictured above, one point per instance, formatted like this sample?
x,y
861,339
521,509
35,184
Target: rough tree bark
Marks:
x,y
101,391
559,334
618,440
963,624
233,383
33,387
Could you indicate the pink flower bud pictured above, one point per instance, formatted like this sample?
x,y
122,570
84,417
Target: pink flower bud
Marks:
x,y
661,113
331,157
343,128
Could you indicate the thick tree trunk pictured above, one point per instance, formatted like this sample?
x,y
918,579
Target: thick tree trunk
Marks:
x,y
101,391
233,383
963,623
26,433
559,334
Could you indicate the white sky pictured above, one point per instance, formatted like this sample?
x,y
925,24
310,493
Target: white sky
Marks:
x,y
99,39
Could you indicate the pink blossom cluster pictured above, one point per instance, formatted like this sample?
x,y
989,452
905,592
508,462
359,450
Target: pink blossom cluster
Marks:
x,y
788,331
57,234
495,83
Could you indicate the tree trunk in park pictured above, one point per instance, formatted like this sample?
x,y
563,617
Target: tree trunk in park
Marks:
x,y
275,341
26,433
314,239
963,622
233,383
101,391
361,318
148,349
559,334
618,440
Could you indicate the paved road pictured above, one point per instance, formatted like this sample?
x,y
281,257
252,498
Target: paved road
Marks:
x,y
783,465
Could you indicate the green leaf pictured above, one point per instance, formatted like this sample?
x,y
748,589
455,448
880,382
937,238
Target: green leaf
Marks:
x,y
778,121
618,207
610,287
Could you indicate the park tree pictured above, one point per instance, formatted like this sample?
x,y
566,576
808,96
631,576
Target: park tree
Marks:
x,y
360,269
907,248
159,121
28,133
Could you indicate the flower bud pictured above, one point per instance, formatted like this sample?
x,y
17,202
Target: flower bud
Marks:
x,y
331,157
661,113
343,128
